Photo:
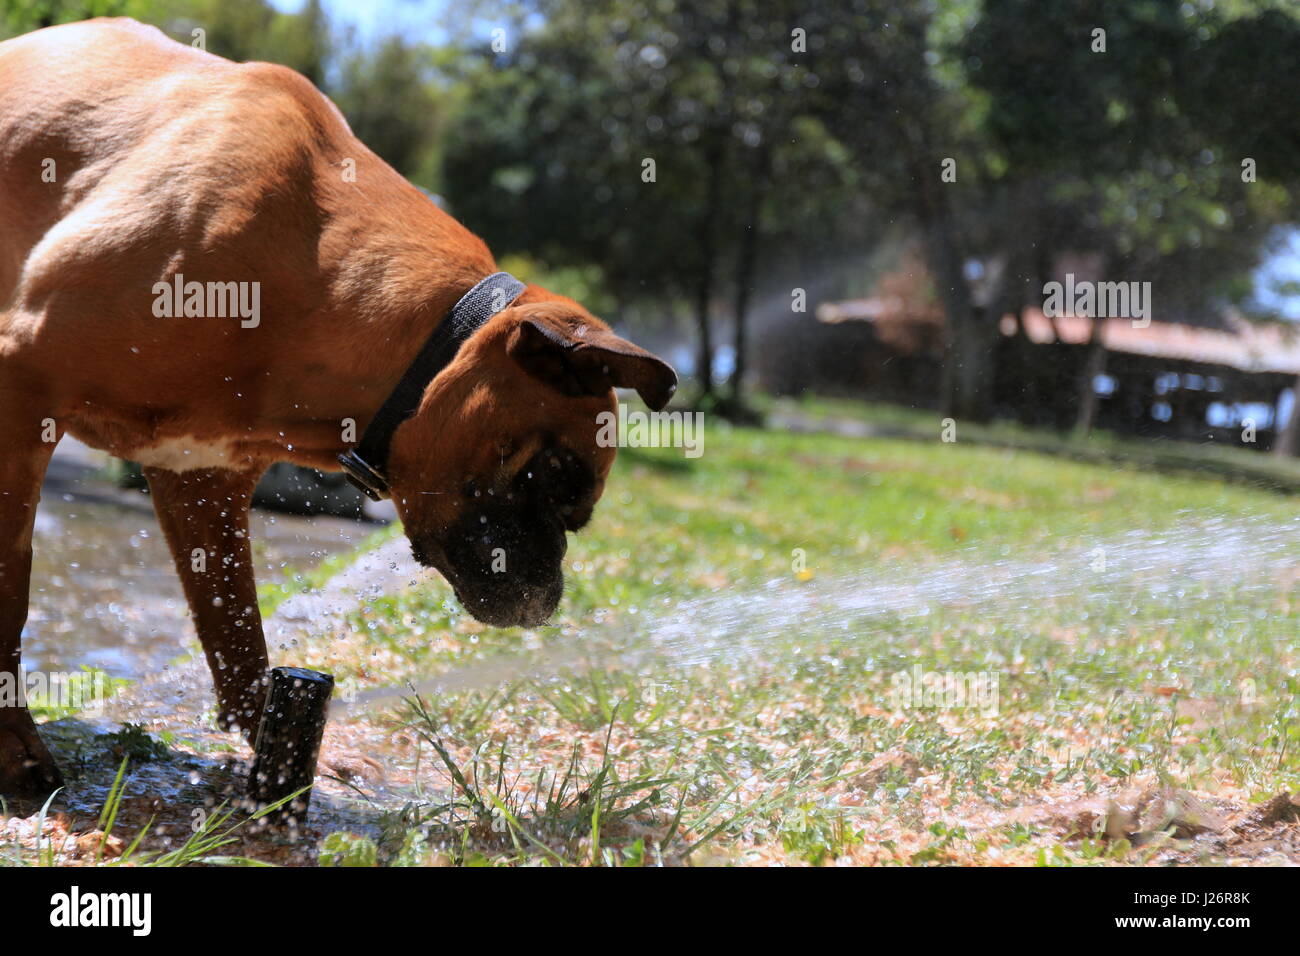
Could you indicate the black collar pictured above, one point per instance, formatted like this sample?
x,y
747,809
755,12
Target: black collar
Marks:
x,y
365,465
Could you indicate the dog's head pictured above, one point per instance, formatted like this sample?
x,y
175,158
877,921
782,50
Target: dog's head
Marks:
x,y
502,457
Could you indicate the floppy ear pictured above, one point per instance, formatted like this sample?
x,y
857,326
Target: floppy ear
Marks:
x,y
589,361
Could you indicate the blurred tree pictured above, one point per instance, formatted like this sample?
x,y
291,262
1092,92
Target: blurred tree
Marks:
x,y
21,16
253,30
392,105
643,137
1016,105
881,94
235,29
1104,143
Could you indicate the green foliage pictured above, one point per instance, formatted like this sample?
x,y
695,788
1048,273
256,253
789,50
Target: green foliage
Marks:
x,y
390,101
563,123
133,742
252,30
20,16
236,29
347,849
582,283
1134,152
87,687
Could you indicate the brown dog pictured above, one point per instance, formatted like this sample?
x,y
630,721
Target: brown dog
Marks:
x,y
127,159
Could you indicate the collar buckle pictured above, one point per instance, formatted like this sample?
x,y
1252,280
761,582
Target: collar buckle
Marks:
x,y
362,477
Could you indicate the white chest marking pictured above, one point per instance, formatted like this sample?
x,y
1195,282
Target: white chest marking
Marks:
x,y
186,454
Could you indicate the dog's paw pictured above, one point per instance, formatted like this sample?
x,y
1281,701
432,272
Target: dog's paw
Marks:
x,y
26,767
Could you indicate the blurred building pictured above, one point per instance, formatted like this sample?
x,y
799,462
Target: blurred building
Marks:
x,y
1232,383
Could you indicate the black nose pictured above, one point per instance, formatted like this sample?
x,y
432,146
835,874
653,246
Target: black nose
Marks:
x,y
505,566
529,607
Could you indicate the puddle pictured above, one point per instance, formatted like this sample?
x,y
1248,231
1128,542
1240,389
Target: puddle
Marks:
x,y
104,593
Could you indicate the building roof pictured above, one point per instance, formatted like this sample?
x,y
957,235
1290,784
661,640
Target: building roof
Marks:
x,y
858,310
1243,345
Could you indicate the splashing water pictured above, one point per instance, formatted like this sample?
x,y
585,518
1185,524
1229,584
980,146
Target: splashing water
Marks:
x,y
734,626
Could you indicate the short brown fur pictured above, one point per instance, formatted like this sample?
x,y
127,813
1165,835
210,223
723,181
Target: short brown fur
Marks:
x,y
170,160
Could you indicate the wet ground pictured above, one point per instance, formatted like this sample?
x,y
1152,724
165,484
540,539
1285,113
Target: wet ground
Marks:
x,y
104,594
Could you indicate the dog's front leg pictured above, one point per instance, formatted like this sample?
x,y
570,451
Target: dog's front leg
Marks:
x,y
204,514
26,767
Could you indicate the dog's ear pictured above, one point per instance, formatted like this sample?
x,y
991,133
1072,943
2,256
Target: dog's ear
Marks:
x,y
586,360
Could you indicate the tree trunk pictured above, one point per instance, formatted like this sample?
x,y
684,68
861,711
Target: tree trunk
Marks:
x,y
1093,365
968,366
965,368
708,251
1286,441
745,271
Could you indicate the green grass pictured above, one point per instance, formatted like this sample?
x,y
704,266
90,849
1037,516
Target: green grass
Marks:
x,y
219,829
271,594
596,748
766,758
1231,463
81,689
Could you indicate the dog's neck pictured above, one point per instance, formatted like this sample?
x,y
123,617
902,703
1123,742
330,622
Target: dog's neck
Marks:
x,y
394,261
392,265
